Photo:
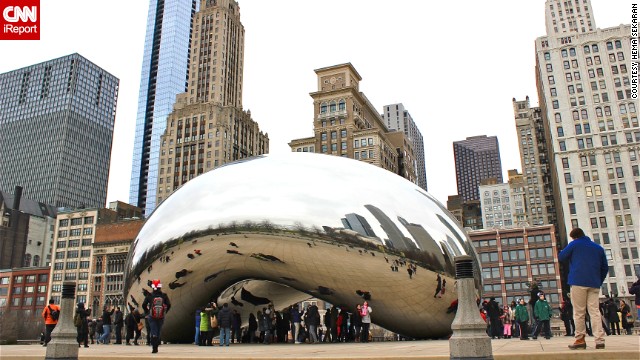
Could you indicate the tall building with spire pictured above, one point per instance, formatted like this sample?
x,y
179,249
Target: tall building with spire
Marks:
x,y
207,126
397,118
591,126
164,74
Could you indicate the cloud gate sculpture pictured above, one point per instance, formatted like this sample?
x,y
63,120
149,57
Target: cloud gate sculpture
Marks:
x,y
285,228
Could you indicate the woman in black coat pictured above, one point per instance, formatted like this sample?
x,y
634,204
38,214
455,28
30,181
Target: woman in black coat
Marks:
x,y
83,329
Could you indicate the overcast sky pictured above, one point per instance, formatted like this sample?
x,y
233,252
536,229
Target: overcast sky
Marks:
x,y
455,65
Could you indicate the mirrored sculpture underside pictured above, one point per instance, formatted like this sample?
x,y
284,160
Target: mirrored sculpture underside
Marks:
x,y
285,228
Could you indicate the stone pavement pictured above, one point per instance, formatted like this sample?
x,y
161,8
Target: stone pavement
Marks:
x,y
617,348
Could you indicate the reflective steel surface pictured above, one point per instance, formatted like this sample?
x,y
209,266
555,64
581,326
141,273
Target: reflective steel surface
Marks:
x,y
283,228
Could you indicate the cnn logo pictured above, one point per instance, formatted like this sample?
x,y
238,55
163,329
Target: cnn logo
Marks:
x,y
20,20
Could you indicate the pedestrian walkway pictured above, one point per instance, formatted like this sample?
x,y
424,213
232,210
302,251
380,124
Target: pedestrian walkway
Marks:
x,y
625,347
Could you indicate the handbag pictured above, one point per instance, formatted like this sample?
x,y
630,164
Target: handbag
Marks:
x,y
214,321
140,326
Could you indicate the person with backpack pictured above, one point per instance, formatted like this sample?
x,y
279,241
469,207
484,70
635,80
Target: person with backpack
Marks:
x,y
157,305
51,314
80,322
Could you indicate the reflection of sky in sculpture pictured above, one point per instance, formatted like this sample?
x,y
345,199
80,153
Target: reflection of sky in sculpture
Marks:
x,y
288,190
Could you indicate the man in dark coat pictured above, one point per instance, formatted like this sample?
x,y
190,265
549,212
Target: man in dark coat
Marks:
x,y
118,322
225,318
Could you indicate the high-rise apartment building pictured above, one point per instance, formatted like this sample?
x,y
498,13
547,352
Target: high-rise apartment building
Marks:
x,y
534,158
56,129
346,124
477,158
208,127
591,124
164,74
398,119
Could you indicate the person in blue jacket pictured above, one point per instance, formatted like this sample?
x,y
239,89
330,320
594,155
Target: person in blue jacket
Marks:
x,y
588,268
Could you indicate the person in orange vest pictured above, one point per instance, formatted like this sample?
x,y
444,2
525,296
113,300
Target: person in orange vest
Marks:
x,y
51,313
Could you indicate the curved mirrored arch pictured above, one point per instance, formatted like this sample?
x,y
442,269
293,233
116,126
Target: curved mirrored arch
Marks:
x,y
288,227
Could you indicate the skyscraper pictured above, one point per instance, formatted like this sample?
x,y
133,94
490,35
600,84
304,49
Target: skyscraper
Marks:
x,y
56,129
346,124
534,157
591,125
398,119
164,74
208,127
477,158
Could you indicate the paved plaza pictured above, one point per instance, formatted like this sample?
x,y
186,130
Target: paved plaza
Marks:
x,y
617,348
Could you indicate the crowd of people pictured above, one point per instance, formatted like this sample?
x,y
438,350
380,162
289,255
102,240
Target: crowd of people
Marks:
x,y
290,324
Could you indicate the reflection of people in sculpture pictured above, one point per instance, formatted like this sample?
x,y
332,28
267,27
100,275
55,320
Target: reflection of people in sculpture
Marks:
x,y
439,287
410,271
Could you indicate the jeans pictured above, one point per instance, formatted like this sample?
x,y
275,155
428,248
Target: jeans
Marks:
x,y
196,340
364,335
225,333
106,334
313,334
155,326
543,324
296,332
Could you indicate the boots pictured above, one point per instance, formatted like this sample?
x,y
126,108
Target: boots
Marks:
x,y
154,344
578,344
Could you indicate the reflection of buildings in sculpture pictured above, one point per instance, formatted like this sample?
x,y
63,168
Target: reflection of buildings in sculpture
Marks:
x,y
358,223
110,250
395,237
285,253
426,242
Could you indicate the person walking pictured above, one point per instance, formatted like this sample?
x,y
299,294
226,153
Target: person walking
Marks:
x,y
588,268
82,326
493,312
625,313
365,312
522,317
543,313
196,339
51,313
224,322
118,322
105,338
157,305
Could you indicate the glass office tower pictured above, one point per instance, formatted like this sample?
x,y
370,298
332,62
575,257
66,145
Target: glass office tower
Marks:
x,y
165,74
56,130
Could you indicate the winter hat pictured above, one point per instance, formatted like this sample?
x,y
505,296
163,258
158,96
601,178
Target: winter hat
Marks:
x,y
155,284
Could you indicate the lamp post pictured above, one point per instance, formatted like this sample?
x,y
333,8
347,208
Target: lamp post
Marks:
x,y
64,343
469,339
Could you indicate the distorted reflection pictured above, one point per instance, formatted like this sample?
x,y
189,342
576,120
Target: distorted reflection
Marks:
x,y
307,225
